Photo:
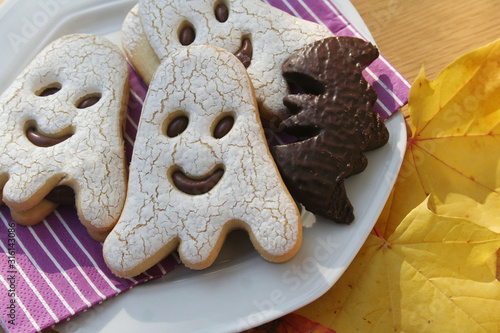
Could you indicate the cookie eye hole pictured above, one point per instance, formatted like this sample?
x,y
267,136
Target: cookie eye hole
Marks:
x,y
221,12
51,89
177,125
88,101
186,34
223,126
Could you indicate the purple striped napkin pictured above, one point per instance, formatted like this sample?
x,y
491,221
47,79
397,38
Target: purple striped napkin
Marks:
x,y
54,270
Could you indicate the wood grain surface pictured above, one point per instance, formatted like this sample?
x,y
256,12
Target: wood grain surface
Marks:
x,y
410,33
432,33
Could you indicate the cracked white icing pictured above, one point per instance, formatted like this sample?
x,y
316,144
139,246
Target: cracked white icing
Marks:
x,y
92,160
274,35
205,83
136,46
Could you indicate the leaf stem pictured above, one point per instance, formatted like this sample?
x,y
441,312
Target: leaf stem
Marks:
x,y
379,235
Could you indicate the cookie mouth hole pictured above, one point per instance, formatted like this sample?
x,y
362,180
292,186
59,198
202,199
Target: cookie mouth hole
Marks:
x,y
299,83
40,139
245,53
198,185
48,90
186,33
88,100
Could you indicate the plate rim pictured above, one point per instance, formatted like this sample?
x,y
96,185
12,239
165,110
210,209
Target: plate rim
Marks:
x,y
396,124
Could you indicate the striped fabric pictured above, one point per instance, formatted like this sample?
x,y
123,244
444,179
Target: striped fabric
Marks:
x,y
392,88
54,270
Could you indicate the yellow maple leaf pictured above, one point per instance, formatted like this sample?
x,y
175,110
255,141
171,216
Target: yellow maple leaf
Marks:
x,y
454,152
432,268
432,274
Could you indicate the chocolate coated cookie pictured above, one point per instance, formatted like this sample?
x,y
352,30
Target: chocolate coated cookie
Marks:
x,y
333,118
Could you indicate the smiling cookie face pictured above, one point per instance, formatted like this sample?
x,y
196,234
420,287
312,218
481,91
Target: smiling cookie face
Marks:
x,y
60,124
261,36
201,167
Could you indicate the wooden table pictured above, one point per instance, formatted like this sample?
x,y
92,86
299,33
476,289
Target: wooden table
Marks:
x,y
435,32
411,33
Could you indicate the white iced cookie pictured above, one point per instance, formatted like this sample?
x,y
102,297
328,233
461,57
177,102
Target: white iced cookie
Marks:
x,y
262,36
137,48
201,168
61,123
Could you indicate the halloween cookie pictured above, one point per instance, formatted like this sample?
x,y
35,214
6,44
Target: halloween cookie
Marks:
x,y
136,46
333,118
201,167
261,36
61,132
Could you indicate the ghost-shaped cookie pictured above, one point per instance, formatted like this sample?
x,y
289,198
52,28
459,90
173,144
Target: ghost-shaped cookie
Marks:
x,y
61,124
261,36
201,168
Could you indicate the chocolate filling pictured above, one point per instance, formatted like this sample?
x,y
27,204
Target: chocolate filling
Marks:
x,y
187,36
223,127
221,12
245,53
41,140
192,186
62,195
177,126
49,91
88,102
